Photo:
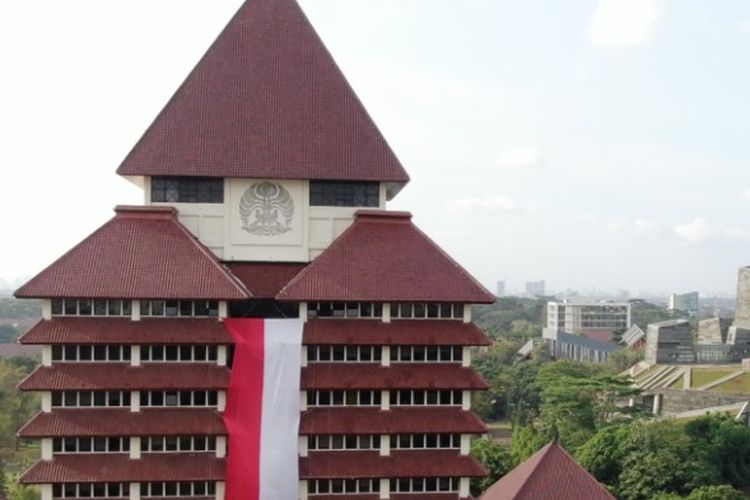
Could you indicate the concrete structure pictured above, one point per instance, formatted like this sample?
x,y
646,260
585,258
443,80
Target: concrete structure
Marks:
x,y
579,317
634,338
535,288
686,302
500,288
669,342
265,183
577,347
742,310
713,331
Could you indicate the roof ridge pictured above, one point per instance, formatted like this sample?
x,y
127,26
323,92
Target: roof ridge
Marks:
x,y
544,453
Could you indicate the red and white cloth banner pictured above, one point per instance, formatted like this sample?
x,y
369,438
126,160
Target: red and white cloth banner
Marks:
x,y
263,409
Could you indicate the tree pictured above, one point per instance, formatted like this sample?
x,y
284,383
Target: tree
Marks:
x,y
15,407
495,458
621,360
17,491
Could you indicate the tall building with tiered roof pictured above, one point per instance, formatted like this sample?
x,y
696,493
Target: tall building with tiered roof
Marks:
x,y
265,184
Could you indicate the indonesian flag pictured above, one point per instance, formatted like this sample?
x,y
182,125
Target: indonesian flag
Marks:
x,y
263,409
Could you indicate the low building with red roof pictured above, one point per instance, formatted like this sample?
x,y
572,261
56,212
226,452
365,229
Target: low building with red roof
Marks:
x,y
549,474
265,187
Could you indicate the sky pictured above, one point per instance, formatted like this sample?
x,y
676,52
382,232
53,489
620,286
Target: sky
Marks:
x,y
594,144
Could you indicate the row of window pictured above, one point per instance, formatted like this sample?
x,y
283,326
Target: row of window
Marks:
x,y
111,352
171,189
370,354
425,441
374,398
178,443
372,442
182,489
91,307
75,399
91,490
179,353
91,445
172,308
404,485
404,310
427,354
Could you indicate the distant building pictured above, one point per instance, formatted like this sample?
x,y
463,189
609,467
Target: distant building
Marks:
x,y
500,288
577,347
581,317
535,288
713,331
634,338
549,473
742,310
669,342
686,302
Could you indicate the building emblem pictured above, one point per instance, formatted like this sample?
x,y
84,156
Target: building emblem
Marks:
x,y
266,209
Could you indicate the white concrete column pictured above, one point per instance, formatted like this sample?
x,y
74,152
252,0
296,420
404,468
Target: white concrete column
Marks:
x,y
135,447
463,488
135,401
220,490
223,309
302,445
46,448
657,404
465,444
303,311
303,489
46,402
304,356
47,314
135,355
135,491
46,355
385,445
46,491
221,355
135,310
385,489
221,404
466,400
387,312
467,313
221,446
385,400
466,357
302,400
385,355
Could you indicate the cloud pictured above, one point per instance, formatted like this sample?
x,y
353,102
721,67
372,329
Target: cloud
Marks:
x,y
745,26
644,226
624,22
519,158
746,194
695,231
464,206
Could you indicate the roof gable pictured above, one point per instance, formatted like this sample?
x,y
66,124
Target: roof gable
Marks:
x,y
143,252
383,257
549,473
266,101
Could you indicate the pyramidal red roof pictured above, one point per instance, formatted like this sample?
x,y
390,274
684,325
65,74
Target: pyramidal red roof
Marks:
x,y
143,252
383,257
549,473
266,100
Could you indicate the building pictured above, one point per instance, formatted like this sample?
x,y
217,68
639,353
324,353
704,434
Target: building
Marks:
x,y
634,338
265,185
669,342
686,302
535,288
549,473
580,317
742,310
563,345
501,288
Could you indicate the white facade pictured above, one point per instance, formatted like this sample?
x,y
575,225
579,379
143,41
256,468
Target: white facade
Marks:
x,y
579,317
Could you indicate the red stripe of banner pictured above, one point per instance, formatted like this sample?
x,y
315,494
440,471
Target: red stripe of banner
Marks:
x,y
244,409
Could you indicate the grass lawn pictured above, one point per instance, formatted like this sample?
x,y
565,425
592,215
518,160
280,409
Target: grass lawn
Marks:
x,y
678,384
738,385
703,376
642,376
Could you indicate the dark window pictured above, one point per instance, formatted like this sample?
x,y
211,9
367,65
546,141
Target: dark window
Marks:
x,y
187,190
344,194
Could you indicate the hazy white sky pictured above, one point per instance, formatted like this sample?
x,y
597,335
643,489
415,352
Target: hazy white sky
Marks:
x,y
591,143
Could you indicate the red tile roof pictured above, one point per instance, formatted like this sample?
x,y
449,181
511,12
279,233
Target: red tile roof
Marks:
x,y
266,101
383,257
404,420
396,376
397,332
264,279
106,376
549,473
365,464
74,330
98,468
143,252
123,422
599,335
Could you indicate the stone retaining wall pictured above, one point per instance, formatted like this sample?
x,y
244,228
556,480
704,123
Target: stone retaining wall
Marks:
x,y
678,401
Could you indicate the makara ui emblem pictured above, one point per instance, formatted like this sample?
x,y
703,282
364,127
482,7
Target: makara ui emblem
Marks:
x,y
266,209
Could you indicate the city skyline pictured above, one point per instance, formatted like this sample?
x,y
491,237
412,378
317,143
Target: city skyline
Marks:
x,y
597,145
